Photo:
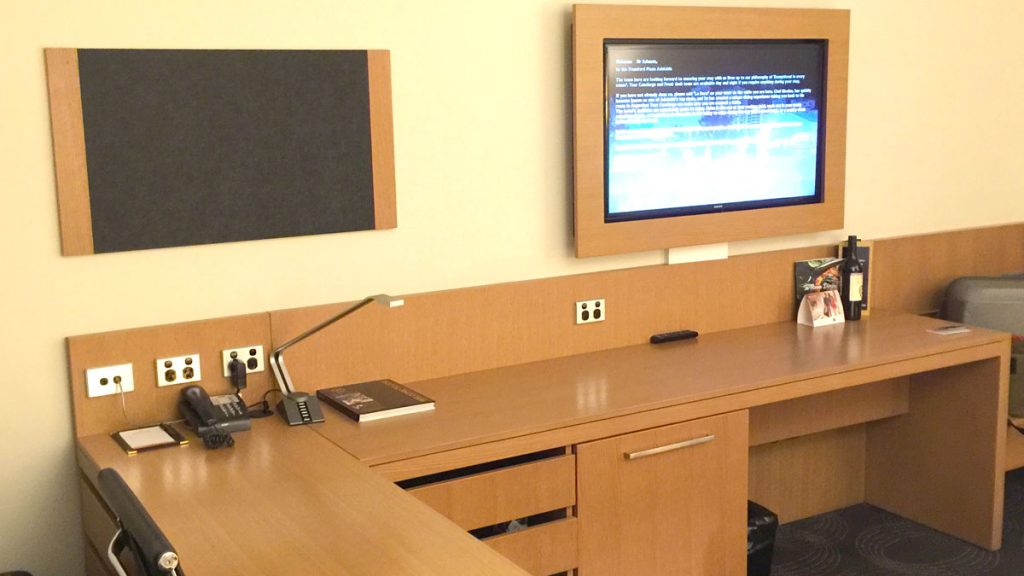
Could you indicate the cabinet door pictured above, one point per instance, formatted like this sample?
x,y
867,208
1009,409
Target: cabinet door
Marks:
x,y
666,501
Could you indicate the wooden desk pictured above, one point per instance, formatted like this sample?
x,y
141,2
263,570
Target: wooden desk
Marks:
x,y
287,502
938,461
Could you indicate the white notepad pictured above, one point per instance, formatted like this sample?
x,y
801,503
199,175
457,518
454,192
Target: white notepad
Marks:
x,y
140,439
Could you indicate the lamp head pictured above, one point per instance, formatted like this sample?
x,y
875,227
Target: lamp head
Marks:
x,y
389,301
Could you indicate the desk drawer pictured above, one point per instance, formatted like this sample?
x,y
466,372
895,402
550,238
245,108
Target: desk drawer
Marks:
x,y
97,522
666,500
542,550
94,564
505,494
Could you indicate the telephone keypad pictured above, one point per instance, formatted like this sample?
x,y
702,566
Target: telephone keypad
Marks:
x,y
231,405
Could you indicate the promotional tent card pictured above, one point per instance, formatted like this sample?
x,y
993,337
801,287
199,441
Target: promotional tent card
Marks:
x,y
821,309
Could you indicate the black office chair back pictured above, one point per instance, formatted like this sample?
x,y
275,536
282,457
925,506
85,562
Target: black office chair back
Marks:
x,y
152,553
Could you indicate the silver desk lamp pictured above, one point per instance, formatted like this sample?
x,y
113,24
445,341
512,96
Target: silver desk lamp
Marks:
x,y
298,407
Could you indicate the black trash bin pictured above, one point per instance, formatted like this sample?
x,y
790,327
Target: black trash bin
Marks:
x,y
761,526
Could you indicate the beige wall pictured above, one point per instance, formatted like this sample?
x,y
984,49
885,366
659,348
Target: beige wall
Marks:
x,y
482,145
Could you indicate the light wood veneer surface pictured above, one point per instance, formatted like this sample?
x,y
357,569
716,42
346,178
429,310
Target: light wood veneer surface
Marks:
x,y
287,501
284,501
515,401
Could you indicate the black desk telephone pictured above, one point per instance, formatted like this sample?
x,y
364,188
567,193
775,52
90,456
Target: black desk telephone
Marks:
x,y
214,419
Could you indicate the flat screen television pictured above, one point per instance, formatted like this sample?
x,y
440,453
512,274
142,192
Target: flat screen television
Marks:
x,y
698,126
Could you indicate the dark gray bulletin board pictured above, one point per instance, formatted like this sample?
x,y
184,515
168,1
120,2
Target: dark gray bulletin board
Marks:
x,y
186,147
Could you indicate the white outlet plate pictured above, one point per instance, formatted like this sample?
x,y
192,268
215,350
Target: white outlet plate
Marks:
x,y
178,370
588,311
244,354
103,381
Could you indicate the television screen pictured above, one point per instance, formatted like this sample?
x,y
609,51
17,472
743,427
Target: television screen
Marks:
x,y
700,126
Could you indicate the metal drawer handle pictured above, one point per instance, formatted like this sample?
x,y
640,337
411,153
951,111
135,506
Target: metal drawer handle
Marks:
x,y
669,447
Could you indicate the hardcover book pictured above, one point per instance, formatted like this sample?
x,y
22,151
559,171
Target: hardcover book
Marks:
x,y
375,400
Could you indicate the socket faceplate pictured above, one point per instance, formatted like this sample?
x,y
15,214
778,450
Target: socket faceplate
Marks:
x,y
109,380
178,370
252,356
588,311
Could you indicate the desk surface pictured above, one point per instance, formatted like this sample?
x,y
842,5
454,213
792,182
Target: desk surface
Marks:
x,y
289,501
284,501
515,401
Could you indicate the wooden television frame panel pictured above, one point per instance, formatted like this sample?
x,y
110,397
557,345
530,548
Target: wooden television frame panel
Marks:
x,y
593,24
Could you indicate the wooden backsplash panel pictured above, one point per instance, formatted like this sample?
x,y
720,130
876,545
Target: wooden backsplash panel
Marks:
x,y
462,330
911,273
455,331
141,347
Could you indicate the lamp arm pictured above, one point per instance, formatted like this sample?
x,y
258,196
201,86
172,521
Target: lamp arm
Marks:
x,y
284,381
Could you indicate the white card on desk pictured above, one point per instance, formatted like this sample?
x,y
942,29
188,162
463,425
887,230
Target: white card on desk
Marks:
x,y
820,309
950,329
147,437
142,438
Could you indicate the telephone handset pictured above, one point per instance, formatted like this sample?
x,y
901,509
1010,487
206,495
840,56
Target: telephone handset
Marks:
x,y
213,421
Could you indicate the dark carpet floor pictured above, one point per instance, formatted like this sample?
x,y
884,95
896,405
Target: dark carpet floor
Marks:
x,y
865,541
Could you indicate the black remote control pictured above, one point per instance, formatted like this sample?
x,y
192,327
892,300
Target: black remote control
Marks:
x,y
673,336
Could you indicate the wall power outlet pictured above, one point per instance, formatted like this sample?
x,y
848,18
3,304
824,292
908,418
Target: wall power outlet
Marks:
x,y
178,370
251,356
109,380
588,311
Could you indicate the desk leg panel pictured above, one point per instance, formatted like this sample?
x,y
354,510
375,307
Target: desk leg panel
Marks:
x,y
942,463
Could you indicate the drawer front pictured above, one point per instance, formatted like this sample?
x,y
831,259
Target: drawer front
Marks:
x,y
98,523
506,494
542,550
95,565
670,500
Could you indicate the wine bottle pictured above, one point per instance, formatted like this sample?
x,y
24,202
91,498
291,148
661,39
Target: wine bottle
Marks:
x,y
852,292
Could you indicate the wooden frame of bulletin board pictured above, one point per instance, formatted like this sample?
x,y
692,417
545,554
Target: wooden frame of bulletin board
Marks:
x,y
593,24
160,148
